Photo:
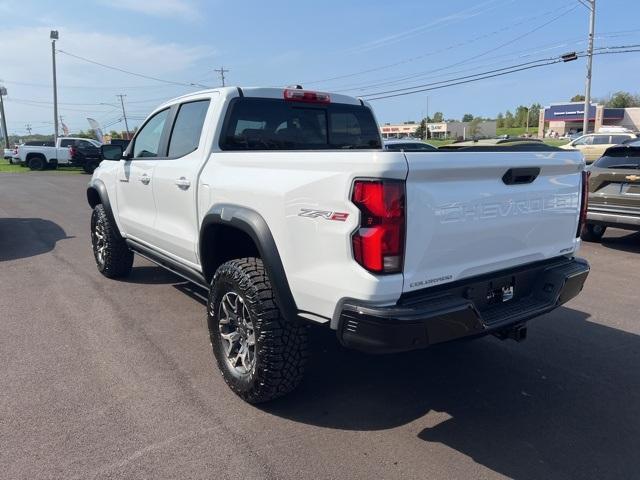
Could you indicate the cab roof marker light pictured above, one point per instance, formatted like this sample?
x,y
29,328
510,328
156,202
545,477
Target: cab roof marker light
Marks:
x,y
306,96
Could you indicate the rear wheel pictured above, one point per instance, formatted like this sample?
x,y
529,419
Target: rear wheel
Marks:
x,y
261,354
593,232
113,257
37,162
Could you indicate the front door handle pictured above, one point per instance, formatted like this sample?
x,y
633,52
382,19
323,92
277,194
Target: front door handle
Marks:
x,y
145,179
183,183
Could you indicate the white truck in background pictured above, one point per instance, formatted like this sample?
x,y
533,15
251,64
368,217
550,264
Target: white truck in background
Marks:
x,y
285,207
42,157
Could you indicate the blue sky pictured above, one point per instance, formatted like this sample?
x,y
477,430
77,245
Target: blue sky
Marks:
x,y
321,45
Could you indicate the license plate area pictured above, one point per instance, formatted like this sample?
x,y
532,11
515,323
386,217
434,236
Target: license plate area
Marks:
x,y
500,290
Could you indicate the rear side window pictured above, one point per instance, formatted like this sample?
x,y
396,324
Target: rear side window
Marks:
x,y
66,142
187,128
617,139
271,124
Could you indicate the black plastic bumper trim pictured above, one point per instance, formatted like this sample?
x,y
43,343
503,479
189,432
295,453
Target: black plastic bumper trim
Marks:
x,y
463,310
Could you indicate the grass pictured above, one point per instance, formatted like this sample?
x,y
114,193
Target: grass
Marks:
x,y
6,167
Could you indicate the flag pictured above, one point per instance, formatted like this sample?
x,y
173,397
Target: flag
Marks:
x,y
65,129
95,126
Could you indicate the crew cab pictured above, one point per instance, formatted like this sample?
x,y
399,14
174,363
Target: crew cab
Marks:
x,y
39,157
285,207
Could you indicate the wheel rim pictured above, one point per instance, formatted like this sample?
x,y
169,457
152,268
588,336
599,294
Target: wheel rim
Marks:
x,y
100,242
598,229
237,333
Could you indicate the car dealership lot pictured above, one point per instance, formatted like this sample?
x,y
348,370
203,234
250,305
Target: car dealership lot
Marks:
x,y
110,379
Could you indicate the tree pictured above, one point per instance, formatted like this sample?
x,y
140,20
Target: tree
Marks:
x,y
438,117
577,98
500,120
520,119
421,131
534,115
508,119
114,134
623,100
467,117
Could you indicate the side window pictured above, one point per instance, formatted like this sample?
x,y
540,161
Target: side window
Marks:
x,y
147,142
65,142
586,140
618,139
84,143
187,128
602,139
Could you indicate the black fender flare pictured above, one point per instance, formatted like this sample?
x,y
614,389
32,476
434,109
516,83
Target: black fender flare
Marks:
x,y
97,193
254,225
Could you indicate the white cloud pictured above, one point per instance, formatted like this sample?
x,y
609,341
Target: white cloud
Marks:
x,y
26,72
159,8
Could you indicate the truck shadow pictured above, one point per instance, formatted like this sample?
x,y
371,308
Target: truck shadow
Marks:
x,y
565,403
28,237
625,243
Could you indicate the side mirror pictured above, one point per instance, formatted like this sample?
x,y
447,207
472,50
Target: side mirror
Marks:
x,y
111,152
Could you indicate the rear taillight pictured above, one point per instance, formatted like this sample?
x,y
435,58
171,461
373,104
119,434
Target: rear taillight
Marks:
x,y
72,152
378,244
584,201
297,95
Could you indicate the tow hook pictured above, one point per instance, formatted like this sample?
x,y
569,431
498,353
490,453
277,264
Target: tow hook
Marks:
x,y
517,333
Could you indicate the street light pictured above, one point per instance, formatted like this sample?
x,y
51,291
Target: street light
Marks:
x,y
54,36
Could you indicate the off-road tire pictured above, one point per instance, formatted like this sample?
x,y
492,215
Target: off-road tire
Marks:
x,y
116,259
37,162
593,232
280,343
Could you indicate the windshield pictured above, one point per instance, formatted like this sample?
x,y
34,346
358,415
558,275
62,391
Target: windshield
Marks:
x,y
271,124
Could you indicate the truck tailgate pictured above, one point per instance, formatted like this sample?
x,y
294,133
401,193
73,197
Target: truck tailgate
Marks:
x,y
470,213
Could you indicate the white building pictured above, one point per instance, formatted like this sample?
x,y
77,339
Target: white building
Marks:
x,y
442,130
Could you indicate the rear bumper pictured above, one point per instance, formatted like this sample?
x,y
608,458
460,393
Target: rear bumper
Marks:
x,y
461,309
614,219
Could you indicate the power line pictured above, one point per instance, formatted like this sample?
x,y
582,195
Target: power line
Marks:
x,y
429,87
118,69
418,57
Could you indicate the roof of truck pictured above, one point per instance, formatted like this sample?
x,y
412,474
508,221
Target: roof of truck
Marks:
x,y
258,92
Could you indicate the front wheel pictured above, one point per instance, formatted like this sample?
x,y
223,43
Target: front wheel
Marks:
x,y
261,354
593,232
113,257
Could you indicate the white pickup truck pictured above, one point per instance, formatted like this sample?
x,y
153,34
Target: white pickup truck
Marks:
x,y
42,157
284,205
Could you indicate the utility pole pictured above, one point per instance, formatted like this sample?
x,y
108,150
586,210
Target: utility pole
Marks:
x,y
587,94
54,36
124,115
528,112
221,71
426,123
27,127
5,132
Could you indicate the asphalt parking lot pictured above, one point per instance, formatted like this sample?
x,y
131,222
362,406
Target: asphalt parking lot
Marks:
x,y
115,379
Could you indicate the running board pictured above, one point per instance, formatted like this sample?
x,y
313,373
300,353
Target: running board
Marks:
x,y
167,263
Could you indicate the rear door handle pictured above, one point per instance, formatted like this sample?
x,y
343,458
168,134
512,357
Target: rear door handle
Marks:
x,y
183,183
145,179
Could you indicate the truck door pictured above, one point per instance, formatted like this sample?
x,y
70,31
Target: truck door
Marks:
x,y
175,182
136,207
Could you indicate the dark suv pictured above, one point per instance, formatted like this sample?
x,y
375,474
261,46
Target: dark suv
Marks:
x,y
614,191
